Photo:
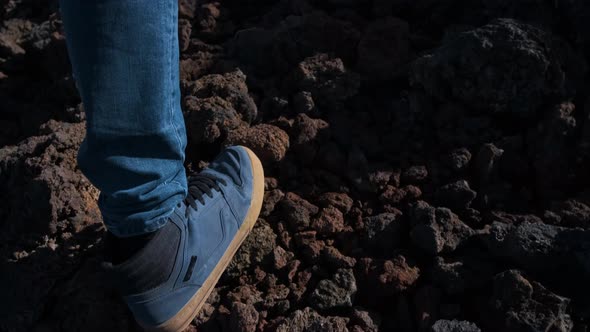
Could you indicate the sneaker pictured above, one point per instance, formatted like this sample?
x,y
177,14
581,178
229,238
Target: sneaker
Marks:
x,y
167,282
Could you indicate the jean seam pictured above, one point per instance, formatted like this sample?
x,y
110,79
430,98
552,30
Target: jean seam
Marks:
x,y
171,61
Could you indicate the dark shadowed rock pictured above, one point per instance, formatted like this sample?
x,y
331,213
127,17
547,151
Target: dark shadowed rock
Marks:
x,y
427,302
384,48
48,219
212,21
326,78
307,320
454,326
486,161
303,102
392,195
186,8
456,195
243,317
414,175
231,87
255,249
572,213
517,60
297,211
541,247
522,305
307,135
385,231
550,149
460,275
436,230
210,119
457,159
253,47
368,321
334,258
184,34
271,198
336,292
299,37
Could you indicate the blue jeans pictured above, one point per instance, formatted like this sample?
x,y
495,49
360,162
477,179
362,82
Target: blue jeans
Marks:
x,y
124,56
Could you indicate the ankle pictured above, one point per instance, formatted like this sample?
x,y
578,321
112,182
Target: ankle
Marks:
x,y
120,249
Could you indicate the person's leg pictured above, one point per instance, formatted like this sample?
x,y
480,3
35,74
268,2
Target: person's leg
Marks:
x,y
125,59
124,55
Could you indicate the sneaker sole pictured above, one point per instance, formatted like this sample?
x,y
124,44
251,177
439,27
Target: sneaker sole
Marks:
x,y
184,317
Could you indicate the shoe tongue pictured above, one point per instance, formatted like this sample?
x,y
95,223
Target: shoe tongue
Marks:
x,y
151,265
226,166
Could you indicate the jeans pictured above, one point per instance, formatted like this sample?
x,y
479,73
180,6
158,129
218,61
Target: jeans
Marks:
x,y
124,56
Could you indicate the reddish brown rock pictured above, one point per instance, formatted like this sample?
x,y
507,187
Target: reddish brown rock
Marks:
x,y
308,320
335,258
210,119
297,211
329,221
307,135
281,257
184,34
243,317
292,268
341,201
230,87
310,247
387,277
392,195
412,192
247,294
271,198
268,142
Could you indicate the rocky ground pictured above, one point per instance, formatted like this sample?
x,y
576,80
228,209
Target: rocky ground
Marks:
x,y
427,166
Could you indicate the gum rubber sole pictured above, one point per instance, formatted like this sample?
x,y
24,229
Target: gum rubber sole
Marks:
x,y
183,318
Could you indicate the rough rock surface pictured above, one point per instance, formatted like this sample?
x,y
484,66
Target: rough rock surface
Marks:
x,y
270,143
309,320
387,277
416,154
336,292
326,78
505,66
454,326
436,230
541,247
526,305
46,223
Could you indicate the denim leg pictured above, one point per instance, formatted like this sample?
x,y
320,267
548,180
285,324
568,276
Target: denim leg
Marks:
x,y
124,55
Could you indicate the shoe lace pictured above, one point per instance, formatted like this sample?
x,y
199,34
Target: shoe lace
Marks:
x,y
199,185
